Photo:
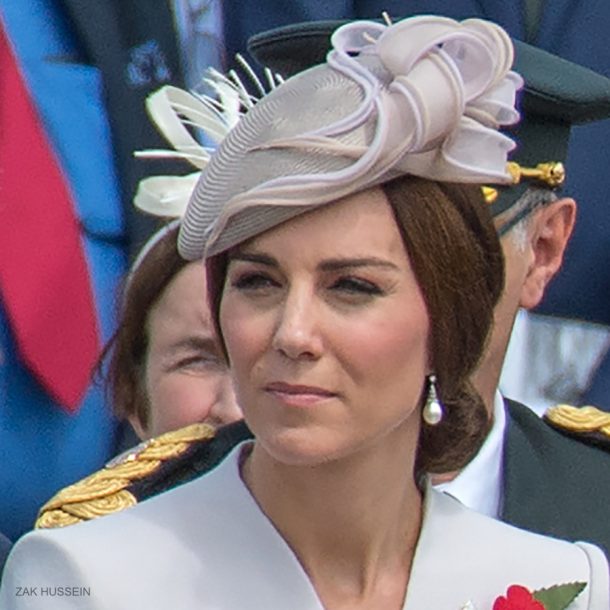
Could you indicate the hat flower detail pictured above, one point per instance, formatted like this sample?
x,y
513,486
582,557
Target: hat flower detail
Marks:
x,y
455,88
424,96
174,111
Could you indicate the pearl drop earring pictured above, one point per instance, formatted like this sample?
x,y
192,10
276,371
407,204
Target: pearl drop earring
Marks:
x,y
432,412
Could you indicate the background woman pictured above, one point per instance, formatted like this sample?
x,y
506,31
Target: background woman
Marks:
x,y
166,368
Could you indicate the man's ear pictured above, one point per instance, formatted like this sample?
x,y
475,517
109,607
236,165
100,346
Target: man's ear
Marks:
x,y
550,231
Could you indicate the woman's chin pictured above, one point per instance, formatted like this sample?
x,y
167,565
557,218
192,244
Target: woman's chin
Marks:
x,y
298,447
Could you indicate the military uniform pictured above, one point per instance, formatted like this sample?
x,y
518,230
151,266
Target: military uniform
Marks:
x,y
557,474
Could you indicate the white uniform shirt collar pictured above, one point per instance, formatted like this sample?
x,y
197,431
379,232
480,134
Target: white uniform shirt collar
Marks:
x,y
479,485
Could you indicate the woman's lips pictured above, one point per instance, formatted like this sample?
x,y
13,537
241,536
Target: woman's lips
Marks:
x,y
297,394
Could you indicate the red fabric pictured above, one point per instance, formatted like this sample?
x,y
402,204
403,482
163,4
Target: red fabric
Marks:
x,y
44,280
517,598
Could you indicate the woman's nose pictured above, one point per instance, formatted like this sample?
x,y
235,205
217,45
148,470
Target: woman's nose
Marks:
x,y
225,409
297,333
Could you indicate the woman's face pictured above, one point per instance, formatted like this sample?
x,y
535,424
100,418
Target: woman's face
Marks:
x,y
186,379
327,330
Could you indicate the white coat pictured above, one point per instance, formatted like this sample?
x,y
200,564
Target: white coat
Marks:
x,y
207,546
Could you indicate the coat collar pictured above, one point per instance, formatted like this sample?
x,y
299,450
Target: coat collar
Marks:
x,y
456,546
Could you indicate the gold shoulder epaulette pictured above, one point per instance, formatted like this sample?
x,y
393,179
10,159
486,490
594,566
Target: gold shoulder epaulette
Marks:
x,y
587,423
110,489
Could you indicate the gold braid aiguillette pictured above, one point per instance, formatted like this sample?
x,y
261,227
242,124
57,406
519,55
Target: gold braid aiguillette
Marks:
x,y
107,491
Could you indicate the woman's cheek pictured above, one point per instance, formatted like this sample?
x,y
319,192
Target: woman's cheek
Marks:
x,y
244,335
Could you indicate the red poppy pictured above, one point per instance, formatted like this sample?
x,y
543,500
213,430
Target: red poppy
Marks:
x,y
517,598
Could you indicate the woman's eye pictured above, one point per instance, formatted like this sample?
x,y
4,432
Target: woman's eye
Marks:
x,y
357,286
199,361
253,281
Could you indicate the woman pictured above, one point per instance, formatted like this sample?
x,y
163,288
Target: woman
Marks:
x,y
166,369
353,285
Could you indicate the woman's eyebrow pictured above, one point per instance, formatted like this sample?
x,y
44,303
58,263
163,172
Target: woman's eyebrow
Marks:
x,y
331,264
254,257
336,264
195,343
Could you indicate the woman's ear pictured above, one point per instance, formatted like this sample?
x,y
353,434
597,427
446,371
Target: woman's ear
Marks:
x,y
549,233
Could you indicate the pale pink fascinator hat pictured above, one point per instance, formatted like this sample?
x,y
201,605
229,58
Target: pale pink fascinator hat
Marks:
x,y
425,96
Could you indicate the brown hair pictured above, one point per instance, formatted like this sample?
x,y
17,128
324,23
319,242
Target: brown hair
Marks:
x,y
458,262
457,259
126,350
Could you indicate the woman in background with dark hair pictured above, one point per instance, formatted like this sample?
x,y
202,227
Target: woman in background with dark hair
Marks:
x,y
165,367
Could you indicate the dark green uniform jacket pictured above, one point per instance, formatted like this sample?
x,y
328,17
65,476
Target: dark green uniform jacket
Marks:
x,y
554,484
